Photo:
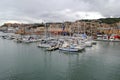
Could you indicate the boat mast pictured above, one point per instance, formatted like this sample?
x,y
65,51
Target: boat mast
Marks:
x,y
45,24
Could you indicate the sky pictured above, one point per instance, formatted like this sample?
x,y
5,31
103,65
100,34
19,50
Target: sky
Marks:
x,y
37,11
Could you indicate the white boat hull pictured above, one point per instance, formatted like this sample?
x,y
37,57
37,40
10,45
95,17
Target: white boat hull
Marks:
x,y
44,45
69,49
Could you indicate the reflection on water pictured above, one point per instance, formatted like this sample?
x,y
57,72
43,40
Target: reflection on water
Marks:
x,y
28,62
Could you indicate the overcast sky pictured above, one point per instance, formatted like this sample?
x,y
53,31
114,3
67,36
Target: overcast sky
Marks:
x,y
35,11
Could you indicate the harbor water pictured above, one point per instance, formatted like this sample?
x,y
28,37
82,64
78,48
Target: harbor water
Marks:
x,y
19,61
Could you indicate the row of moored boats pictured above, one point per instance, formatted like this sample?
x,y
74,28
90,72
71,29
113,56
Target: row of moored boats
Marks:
x,y
64,43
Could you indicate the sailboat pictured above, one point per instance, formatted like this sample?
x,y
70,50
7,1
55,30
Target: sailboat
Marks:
x,y
46,42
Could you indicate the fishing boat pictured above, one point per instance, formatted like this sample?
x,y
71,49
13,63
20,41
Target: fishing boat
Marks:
x,y
44,44
17,40
68,47
80,47
52,48
30,39
47,43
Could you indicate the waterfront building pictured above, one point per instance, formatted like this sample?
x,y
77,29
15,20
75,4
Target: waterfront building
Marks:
x,y
90,27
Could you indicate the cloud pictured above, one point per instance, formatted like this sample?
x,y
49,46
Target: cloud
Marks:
x,y
56,10
69,15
